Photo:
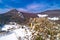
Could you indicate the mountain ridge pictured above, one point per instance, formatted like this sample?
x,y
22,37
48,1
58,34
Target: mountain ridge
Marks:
x,y
21,17
15,16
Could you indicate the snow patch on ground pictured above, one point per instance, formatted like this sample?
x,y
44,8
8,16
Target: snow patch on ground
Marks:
x,y
9,37
40,15
53,18
6,27
22,33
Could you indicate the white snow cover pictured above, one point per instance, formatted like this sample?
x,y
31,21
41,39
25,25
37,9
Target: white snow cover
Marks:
x,y
10,25
9,37
53,18
6,27
20,14
23,33
40,15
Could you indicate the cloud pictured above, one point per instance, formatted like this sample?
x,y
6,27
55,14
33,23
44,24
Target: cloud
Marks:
x,y
28,7
3,10
33,6
36,7
22,9
40,7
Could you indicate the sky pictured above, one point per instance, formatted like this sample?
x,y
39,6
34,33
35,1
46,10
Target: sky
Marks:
x,y
29,5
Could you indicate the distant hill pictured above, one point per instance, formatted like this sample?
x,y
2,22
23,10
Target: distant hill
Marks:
x,y
52,13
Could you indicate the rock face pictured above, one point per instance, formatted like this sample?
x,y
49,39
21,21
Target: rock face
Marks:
x,y
15,16
11,16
